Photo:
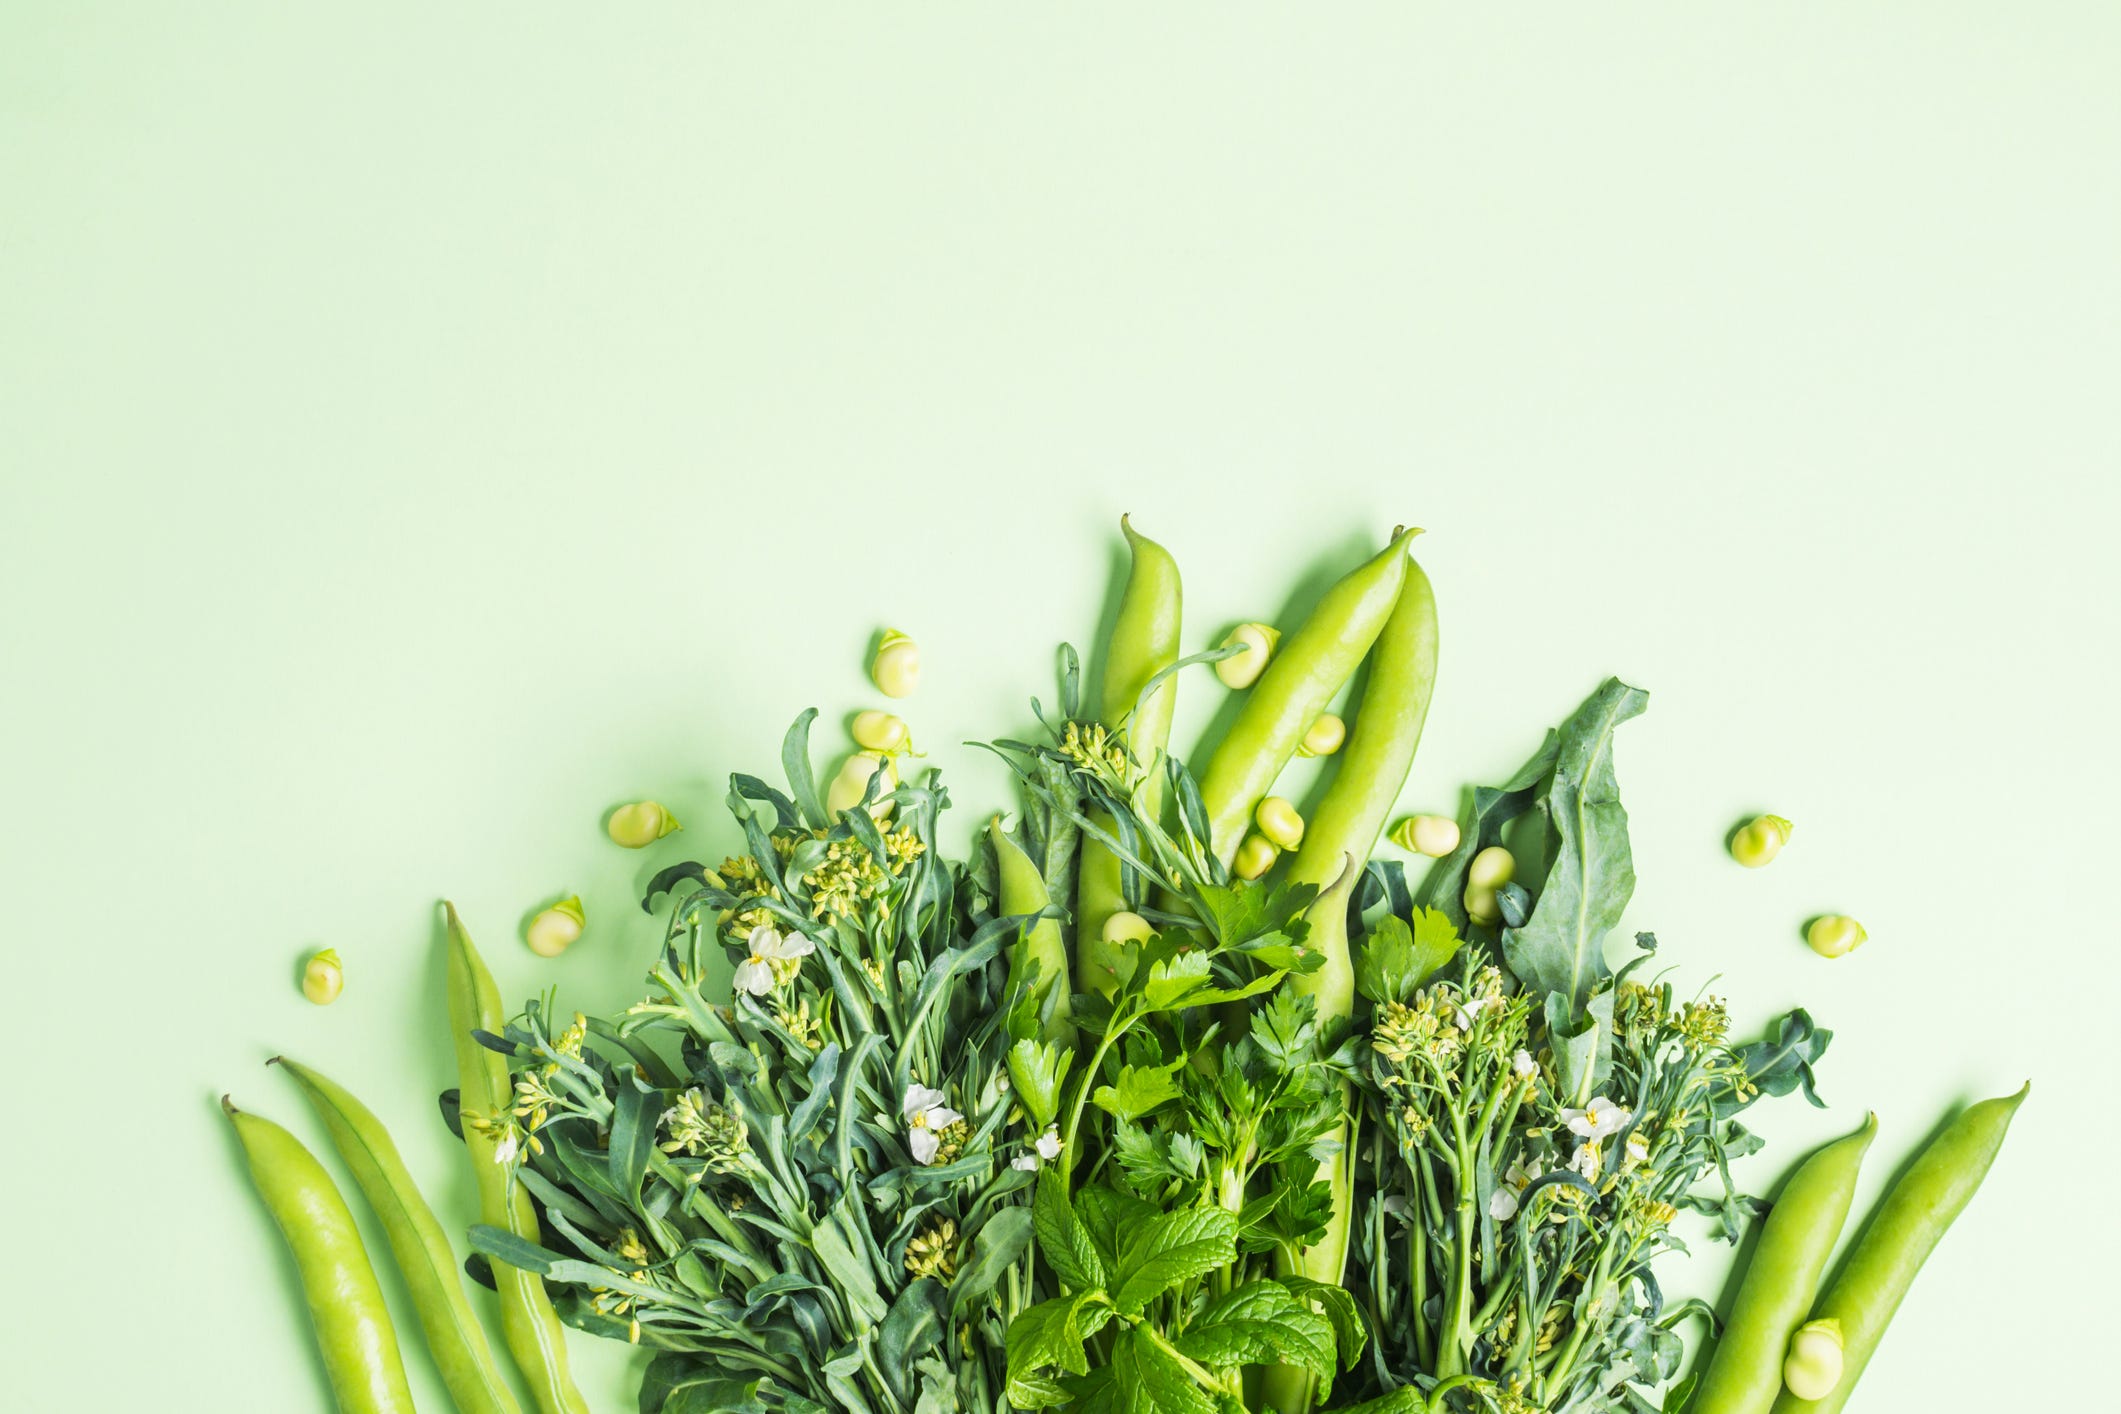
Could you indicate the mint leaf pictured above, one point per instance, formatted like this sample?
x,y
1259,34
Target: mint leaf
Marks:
x,y
1170,1249
1262,1323
1049,1336
1349,1332
1149,1381
1062,1237
1105,1214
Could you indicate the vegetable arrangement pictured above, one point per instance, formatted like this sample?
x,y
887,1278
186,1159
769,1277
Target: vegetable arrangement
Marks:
x,y
1164,1100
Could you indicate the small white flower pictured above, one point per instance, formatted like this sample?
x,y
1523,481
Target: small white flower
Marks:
x,y
1049,1143
926,1115
1523,1065
755,974
1502,1205
504,1153
1586,1161
1469,1012
1601,1119
1027,1162
1518,1176
1638,1149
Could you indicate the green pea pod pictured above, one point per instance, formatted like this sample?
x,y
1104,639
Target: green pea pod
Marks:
x,y
529,1325
354,1333
1903,1230
1023,890
1745,1373
1313,664
1144,642
1372,772
418,1242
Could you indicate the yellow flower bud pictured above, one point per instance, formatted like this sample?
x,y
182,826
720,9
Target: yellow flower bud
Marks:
x,y
848,786
1814,1365
322,977
555,930
1491,868
1760,840
896,669
1433,835
640,824
1835,935
880,731
1255,857
1325,736
1481,906
1125,927
1279,822
1243,669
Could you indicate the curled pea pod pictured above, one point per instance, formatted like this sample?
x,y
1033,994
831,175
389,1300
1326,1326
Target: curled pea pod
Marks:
x,y
417,1241
1023,891
1745,1374
354,1333
529,1325
1903,1230
1144,642
1297,686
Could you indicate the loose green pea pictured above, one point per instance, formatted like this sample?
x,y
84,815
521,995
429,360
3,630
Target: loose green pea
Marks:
x,y
1491,868
1835,935
896,669
852,783
1127,927
323,978
1325,736
1758,841
1814,1364
1278,821
1254,857
555,929
640,824
880,731
1433,835
1259,642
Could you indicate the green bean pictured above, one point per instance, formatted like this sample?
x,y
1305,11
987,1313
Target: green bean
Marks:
x,y
1745,1373
353,1327
1298,685
1903,1230
1336,843
417,1241
1023,890
1144,642
529,1325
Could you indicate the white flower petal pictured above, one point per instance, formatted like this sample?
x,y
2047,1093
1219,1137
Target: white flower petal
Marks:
x,y
763,940
1502,1205
795,945
504,1153
919,1098
1049,1145
940,1117
753,976
924,1143
1523,1064
1024,1161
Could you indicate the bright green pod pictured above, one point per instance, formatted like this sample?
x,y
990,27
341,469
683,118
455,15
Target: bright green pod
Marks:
x,y
1145,641
417,1241
354,1333
1903,1230
1023,890
529,1325
1745,1374
1313,664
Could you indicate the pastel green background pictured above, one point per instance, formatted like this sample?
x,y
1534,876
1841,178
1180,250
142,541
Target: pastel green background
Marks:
x,y
425,427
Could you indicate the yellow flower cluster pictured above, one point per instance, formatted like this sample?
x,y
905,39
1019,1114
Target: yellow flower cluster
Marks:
x,y
701,1129
933,1252
850,876
1092,747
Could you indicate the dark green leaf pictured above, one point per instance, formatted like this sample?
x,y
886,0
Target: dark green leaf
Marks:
x,y
1782,1063
795,762
1260,1323
1590,869
634,1115
1062,1238
1150,1381
1169,1250
1000,1241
